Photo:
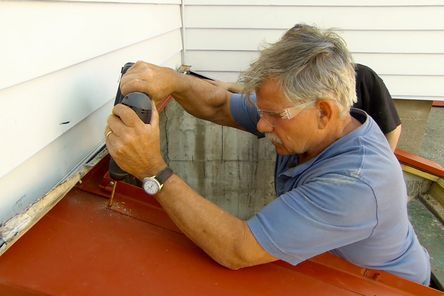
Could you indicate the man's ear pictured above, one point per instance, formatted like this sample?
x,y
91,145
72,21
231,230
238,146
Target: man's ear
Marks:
x,y
325,112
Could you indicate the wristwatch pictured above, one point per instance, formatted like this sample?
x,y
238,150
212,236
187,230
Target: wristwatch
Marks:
x,y
152,185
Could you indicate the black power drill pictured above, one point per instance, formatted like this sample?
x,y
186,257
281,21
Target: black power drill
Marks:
x,y
141,104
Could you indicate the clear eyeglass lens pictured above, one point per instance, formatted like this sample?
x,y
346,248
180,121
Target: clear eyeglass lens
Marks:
x,y
289,113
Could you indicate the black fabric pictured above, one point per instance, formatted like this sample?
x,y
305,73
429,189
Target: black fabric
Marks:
x,y
375,99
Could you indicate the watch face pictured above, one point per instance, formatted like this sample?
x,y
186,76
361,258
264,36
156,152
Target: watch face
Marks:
x,y
151,186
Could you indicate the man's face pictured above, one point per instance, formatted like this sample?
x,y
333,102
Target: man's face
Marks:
x,y
289,136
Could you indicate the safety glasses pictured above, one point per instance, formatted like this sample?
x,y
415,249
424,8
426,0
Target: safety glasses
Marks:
x,y
286,114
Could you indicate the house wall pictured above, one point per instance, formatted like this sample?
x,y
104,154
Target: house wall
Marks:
x,y
60,67
403,41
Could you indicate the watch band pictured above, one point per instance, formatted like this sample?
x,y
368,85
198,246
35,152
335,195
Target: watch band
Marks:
x,y
164,175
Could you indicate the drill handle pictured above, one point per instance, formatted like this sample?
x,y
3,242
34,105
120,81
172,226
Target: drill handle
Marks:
x,y
141,104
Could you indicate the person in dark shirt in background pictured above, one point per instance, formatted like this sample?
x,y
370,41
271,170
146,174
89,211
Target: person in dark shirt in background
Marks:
x,y
373,97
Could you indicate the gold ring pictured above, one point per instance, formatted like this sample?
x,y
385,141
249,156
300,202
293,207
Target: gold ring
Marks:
x,y
108,133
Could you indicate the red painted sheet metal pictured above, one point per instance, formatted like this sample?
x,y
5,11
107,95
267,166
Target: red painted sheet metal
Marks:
x,y
82,247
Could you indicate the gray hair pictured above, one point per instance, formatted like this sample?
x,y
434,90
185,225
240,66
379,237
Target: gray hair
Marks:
x,y
309,64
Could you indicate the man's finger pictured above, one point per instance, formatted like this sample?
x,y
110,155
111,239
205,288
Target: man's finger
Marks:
x,y
135,68
131,83
127,115
116,125
107,131
112,144
154,115
132,80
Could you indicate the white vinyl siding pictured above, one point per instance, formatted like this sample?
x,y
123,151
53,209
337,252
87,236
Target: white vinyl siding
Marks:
x,y
61,62
273,3
403,41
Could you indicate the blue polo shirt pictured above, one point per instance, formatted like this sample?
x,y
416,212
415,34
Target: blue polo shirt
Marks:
x,y
351,200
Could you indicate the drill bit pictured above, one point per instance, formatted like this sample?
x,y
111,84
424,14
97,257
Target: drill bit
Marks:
x,y
110,203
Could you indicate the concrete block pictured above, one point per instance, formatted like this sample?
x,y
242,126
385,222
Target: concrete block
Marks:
x,y
248,186
239,145
264,191
191,172
267,151
190,138
212,186
241,188
219,163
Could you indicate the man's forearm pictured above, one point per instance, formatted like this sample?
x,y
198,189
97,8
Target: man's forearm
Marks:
x,y
204,100
196,96
222,236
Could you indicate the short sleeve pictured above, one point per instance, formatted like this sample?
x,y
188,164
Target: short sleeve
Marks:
x,y
245,113
324,214
375,99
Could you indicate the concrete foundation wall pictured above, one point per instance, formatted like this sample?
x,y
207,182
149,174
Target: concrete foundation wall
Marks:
x,y
414,115
231,168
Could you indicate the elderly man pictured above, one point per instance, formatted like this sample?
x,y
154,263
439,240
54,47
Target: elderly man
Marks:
x,y
339,186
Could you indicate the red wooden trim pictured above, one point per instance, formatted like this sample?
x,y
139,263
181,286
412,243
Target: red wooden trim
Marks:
x,y
438,104
420,163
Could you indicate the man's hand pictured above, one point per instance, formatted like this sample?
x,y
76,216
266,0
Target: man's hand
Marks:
x,y
135,146
198,97
157,82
